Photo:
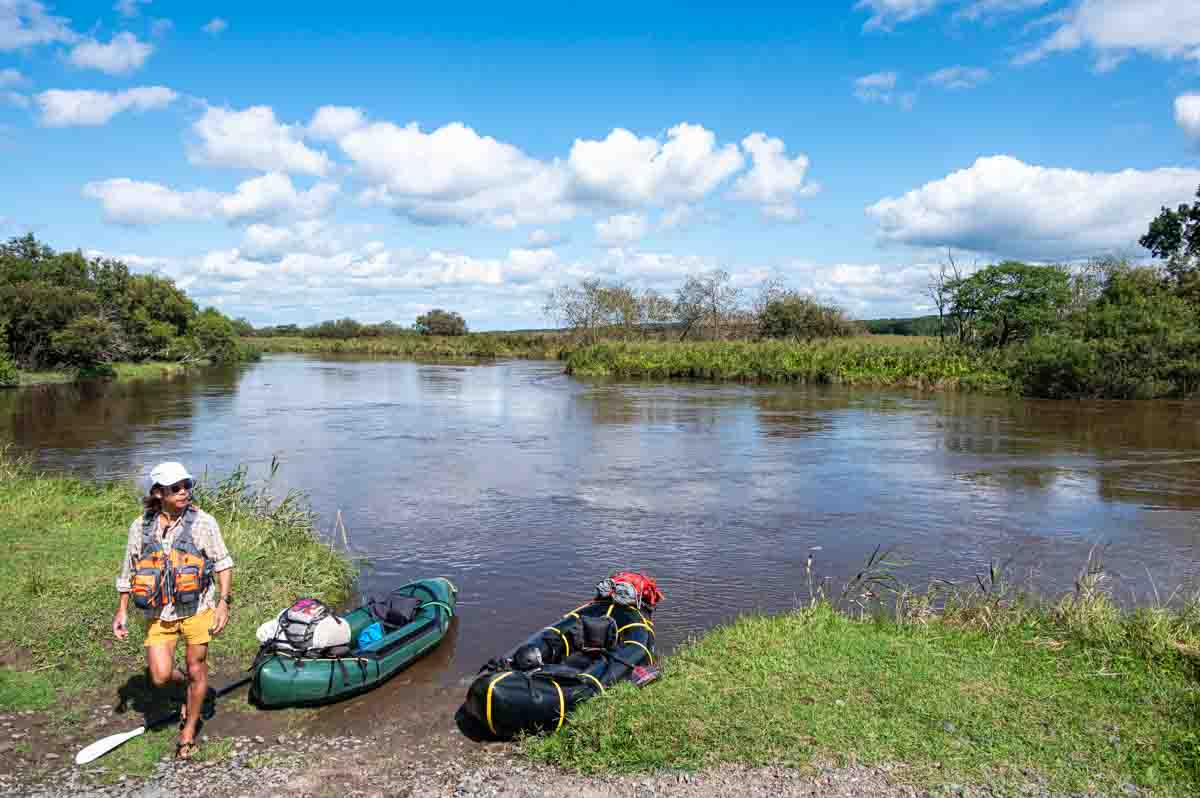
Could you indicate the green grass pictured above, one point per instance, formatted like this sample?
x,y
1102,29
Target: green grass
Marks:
x,y
865,360
470,346
1079,696
125,371
64,540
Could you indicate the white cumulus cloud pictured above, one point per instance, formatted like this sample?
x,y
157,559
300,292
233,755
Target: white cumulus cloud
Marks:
x,y
1114,29
254,139
332,122
959,77
215,26
26,23
1187,114
454,175
63,108
624,170
1003,206
775,181
125,53
133,202
273,195
11,77
621,228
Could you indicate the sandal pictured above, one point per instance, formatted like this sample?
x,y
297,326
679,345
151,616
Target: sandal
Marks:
x,y
184,751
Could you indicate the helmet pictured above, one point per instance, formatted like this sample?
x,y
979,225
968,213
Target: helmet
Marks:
x,y
527,658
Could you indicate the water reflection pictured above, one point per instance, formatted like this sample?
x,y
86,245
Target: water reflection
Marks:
x,y
525,486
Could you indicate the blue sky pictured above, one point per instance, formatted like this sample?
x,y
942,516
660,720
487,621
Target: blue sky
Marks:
x,y
294,162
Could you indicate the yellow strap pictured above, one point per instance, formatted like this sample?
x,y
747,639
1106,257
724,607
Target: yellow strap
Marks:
x,y
594,679
645,626
610,609
645,620
562,705
492,684
566,643
636,643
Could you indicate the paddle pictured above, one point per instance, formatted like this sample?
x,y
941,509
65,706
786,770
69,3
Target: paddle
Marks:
x,y
102,747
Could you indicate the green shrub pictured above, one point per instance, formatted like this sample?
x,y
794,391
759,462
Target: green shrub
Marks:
x,y
441,322
84,342
794,315
214,337
8,369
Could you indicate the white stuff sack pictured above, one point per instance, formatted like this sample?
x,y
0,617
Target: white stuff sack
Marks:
x,y
327,632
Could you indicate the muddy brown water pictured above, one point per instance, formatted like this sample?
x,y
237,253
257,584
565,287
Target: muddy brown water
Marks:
x,y
526,486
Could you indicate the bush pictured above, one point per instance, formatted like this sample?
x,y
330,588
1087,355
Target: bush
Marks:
x,y
1057,367
797,316
84,342
8,369
214,336
441,322
1137,340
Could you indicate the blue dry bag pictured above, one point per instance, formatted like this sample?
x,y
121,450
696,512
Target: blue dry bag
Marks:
x,y
369,635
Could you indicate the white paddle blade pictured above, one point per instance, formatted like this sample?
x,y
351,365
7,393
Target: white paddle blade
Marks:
x,y
102,747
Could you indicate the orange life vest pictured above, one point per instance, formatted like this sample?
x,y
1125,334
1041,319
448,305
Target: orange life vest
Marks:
x,y
179,576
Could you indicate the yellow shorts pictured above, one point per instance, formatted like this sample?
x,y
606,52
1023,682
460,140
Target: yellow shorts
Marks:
x,y
195,630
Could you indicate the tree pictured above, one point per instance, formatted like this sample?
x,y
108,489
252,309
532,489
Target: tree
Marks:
x,y
655,309
214,337
579,308
1008,302
708,299
242,328
1138,339
794,315
939,289
35,311
441,322
85,342
1174,236
8,369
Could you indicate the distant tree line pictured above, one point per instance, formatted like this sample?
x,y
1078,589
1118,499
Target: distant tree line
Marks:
x,y
62,309
706,306
435,322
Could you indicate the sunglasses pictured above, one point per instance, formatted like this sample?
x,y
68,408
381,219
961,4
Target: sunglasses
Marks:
x,y
177,487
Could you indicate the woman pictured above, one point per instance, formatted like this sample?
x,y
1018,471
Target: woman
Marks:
x,y
175,562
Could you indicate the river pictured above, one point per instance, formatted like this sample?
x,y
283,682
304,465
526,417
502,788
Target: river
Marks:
x,y
526,486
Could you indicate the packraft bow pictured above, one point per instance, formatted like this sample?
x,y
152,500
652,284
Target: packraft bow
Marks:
x,y
592,648
283,677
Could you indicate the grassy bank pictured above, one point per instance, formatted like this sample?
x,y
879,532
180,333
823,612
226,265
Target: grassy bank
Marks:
x,y
472,345
867,360
125,371
64,540
1078,697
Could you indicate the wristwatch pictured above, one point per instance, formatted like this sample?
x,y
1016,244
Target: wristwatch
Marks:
x,y
227,598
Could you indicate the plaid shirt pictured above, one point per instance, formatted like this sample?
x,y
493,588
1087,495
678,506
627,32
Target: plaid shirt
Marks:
x,y
207,537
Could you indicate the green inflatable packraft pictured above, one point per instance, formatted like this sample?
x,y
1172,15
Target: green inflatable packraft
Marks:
x,y
283,680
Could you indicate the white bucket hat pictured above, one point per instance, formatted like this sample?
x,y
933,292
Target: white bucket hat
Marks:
x,y
167,474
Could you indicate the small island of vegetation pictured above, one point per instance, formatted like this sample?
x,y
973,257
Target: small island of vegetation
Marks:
x,y
65,316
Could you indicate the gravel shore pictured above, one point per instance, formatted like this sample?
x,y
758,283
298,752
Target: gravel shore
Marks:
x,y
355,767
